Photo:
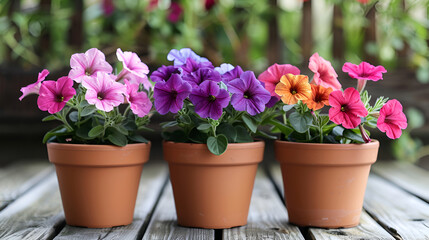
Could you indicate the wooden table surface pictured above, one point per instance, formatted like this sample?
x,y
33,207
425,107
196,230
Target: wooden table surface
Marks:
x,y
396,207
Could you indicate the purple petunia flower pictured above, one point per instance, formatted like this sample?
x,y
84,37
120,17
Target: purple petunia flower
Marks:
x,y
180,56
191,66
201,75
209,100
248,94
232,74
169,95
164,73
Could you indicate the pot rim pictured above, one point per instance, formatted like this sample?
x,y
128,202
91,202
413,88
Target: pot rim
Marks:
x,y
373,144
95,147
198,146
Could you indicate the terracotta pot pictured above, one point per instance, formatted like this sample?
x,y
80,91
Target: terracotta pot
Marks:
x,y
98,183
324,184
212,191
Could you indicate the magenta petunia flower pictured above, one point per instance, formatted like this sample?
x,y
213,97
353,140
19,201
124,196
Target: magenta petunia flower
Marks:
x,y
364,71
108,7
324,73
139,102
169,96
134,70
209,100
232,74
392,119
201,75
271,76
174,12
181,56
248,94
88,64
104,91
346,108
34,87
192,65
163,73
53,95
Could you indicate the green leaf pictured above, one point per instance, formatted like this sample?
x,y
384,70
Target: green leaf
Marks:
x,y
198,136
83,104
301,123
138,138
284,129
323,120
242,135
217,145
288,107
117,138
249,123
185,119
349,134
170,124
338,131
228,130
205,127
96,131
176,136
58,131
88,111
121,129
265,135
73,116
49,118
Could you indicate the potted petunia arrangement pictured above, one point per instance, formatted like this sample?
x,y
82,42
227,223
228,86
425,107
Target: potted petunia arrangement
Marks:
x,y
210,148
97,149
325,151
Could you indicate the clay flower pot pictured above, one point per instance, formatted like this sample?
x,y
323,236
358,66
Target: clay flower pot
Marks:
x,y
324,184
98,183
212,191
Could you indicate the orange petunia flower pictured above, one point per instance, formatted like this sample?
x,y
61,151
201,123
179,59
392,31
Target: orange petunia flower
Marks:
x,y
319,97
292,88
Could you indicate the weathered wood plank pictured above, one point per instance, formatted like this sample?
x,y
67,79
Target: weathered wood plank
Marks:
x,y
267,215
152,181
35,215
163,224
19,178
404,215
408,176
367,229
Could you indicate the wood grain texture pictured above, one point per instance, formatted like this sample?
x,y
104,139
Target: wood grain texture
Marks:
x,y
408,176
367,229
404,215
19,178
163,224
267,215
35,215
151,183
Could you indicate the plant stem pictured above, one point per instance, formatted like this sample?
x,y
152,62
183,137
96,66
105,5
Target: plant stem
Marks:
x,y
284,118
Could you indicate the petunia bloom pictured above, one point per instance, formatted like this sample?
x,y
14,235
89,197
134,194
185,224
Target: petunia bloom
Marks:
x,y
248,94
88,64
363,72
346,108
224,67
192,65
164,73
209,100
169,96
139,102
324,73
271,76
232,74
201,75
293,88
180,56
34,87
53,95
104,92
174,12
392,119
319,97
134,69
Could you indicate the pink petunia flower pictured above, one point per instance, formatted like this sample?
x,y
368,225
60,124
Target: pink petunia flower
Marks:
x,y
363,72
134,70
271,76
346,108
34,87
140,103
324,73
174,12
88,64
392,119
53,95
104,91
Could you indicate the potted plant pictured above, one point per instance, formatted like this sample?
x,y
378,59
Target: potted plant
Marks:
x,y
209,147
326,155
97,151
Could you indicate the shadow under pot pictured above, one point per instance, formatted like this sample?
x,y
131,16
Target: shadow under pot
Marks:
x,y
98,183
324,184
212,191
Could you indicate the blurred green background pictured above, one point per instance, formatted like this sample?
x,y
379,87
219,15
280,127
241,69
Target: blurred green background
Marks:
x,y
253,33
